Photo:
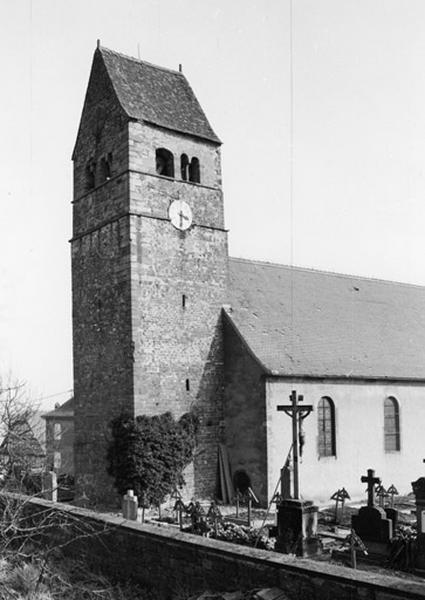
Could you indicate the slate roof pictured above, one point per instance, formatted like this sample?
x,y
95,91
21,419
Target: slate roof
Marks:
x,y
312,323
156,95
64,410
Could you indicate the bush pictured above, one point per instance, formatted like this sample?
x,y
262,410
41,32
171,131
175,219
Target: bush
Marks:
x,y
148,454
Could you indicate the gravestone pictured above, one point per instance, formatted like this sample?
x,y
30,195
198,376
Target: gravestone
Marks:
x,y
130,506
418,487
297,528
371,523
49,486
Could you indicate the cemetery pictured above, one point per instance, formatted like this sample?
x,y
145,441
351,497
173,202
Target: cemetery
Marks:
x,y
385,532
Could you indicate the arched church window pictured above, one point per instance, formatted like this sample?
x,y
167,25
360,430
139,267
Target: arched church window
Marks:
x,y
391,425
164,162
105,168
184,166
194,173
326,422
91,175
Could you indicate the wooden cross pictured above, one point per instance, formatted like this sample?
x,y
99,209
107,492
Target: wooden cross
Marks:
x,y
370,479
297,413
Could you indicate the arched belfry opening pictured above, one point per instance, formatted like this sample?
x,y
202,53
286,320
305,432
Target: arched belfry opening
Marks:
x,y
164,162
194,172
184,167
106,168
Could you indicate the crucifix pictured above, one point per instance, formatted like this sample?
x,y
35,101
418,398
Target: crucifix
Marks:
x,y
297,413
370,479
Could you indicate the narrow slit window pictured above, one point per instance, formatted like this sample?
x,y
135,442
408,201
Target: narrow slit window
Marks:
x,y
184,301
187,385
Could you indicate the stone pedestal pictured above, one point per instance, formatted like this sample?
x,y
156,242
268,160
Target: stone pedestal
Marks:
x,y
130,506
374,529
297,528
418,487
49,485
392,515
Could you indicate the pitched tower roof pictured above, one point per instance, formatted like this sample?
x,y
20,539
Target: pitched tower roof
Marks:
x,y
156,95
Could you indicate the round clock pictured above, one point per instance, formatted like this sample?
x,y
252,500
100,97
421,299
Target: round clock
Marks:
x,y
180,214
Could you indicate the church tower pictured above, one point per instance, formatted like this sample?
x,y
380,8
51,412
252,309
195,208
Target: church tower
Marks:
x,y
149,263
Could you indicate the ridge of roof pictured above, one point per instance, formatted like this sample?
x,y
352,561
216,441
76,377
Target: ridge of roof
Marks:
x,y
324,272
140,61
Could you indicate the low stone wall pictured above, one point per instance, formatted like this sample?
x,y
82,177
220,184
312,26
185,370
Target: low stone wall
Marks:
x,y
172,562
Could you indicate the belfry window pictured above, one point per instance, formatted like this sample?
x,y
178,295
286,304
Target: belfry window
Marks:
x,y
184,166
326,422
105,168
91,175
194,173
164,162
391,425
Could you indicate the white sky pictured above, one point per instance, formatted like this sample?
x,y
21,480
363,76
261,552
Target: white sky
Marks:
x,y
359,145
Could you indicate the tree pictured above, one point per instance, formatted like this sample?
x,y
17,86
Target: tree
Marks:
x,y
148,454
21,453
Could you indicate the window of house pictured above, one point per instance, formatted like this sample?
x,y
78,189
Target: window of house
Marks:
x,y
164,162
194,173
57,431
391,425
326,422
184,167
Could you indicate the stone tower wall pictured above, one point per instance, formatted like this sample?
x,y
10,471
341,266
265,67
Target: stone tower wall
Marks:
x,y
138,346
101,284
178,344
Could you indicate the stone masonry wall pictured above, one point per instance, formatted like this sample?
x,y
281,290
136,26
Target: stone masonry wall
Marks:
x,y
146,297
176,564
245,412
178,342
102,341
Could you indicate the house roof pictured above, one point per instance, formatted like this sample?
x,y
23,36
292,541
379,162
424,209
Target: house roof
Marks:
x,y
156,95
60,411
311,323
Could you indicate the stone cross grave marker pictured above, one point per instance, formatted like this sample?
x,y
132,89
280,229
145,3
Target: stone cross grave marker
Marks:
x,y
371,523
371,480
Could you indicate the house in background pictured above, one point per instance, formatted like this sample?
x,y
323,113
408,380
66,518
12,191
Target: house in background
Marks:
x,y
21,450
60,438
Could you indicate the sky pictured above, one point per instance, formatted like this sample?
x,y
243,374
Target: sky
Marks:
x,y
358,202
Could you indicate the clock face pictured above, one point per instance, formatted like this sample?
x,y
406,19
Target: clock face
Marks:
x,y
180,214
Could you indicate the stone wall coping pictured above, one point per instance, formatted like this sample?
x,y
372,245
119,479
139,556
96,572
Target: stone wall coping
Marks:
x,y
384,583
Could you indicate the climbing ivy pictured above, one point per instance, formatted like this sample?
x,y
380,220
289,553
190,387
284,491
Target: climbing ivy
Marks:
x,y
148,454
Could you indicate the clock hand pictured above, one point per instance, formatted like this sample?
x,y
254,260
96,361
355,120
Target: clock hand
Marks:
x,y
182,216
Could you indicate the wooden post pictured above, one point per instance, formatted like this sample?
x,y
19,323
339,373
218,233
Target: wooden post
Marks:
x,y
353,553
249,509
